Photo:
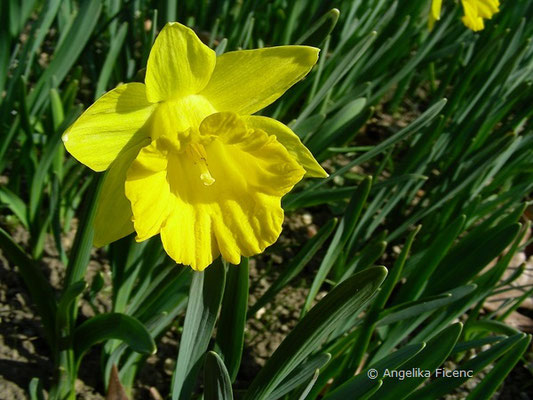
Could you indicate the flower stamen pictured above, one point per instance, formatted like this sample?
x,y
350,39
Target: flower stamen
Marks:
x,y
197,153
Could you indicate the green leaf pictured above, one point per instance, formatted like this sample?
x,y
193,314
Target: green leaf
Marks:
x,y
310,198
39,30
410,310
296,265
425,266
40,290
329,132
105,73
489,325
35,389
362,341
474,260
393,278
336,75
309,386
439,387
83,241
48,154
58,111
367,257
433,355
493,277
97,284
216,378
5,42
230,329
64,305
15,204
344,230
67,53
343,301
472,344
112,326
486,388
360,384
205,296
299,375
309,125
318,32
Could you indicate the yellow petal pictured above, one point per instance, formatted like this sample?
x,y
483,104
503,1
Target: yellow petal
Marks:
x,y
172,117
291,141
435,9
471,19
487,8
113,215
148,190
179,64
115,123
248,80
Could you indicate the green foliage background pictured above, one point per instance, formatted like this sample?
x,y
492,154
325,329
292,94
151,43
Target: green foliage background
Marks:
x,y
449,187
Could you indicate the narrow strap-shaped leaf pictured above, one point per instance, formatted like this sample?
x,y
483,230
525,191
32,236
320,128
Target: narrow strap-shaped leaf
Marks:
x,y
439,387
112,326
343,233
48,155
309,386
216,378
40,290
296,265
474,261
205,296
116,46
419,307
15,204
317,33
35,389
360,384
489,325
230,330
83,241
67,52
365,332
329,133
343,301
300,375
472,344
341,70
433,355
486,388
416,282
65,302
375,386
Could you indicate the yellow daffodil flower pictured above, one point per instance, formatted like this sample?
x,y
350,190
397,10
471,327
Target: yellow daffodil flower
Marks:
x,y
434,13
474,12
186,158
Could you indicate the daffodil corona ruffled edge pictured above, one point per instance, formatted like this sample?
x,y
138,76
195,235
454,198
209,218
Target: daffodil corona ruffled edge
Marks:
x,y
474,12
185,157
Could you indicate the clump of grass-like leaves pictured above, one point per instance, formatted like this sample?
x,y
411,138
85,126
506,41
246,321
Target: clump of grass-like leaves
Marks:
x,y
449,189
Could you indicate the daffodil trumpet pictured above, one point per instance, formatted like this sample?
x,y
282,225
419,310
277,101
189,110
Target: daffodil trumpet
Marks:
x,y
185,157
